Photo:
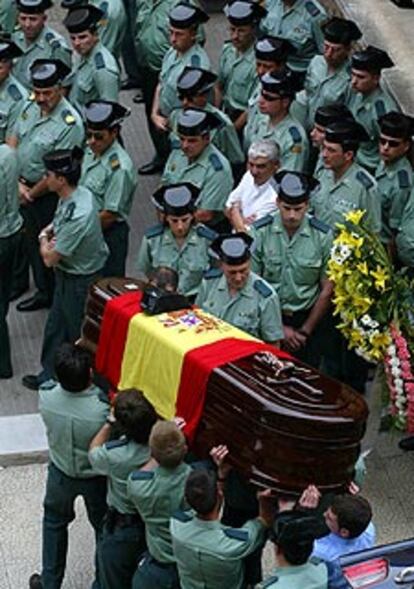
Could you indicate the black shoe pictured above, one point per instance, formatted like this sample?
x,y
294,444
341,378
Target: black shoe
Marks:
x,y
407,444
37,301
138,98
129,84
6,374
152,167
35,581
16,293
32,382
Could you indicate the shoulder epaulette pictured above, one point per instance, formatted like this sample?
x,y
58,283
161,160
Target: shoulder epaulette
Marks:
x,y
68,117
50,37
262,288
116,444
320,225
142,475
312,8
236,534
295,134
14,92
103,397
195,61
206,232
70,209
212,273
365,180
182,516
315,560
114,161
263,222
269,582
99,61
155,230
403,179
380,108
215,162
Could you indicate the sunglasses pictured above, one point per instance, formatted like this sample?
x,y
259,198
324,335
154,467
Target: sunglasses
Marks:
x,y
96,135
270,97
390,142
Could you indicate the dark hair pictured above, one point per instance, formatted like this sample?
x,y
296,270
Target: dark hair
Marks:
x,y
296,552
349,145
73,367
353,513
201,491
294,532
134,415
73,177
164,277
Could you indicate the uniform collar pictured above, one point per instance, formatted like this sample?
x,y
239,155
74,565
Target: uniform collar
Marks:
x,y
202,159
246,291
390,170
303,229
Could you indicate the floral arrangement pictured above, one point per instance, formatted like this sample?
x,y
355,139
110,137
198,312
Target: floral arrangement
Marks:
x,y
375,304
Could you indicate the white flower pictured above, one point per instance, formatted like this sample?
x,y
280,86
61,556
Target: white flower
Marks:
x,y
391,350
395,371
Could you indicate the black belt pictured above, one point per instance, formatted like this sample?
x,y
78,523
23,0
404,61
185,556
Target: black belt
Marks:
x,y
162,565
295,318
115,519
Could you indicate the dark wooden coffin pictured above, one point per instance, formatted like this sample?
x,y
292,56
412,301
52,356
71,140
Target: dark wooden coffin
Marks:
x,y
286,424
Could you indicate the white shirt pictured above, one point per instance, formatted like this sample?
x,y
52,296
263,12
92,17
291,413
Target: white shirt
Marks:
x,y
254,199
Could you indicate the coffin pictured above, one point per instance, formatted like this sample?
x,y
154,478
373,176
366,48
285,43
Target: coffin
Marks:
x,y
286,424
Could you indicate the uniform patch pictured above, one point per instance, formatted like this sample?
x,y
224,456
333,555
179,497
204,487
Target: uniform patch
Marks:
x,y
142,475
68,117
262,288
236,534
295,134
215,162
212,273
403,179
104,7
70,209
195,61
263,222
155,230
312,9
206,232
320,225
364,179
175,143
182,516
99,61
116,444
14,92
380,108
114,161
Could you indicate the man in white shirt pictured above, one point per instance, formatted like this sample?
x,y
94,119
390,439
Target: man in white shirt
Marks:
x,y
255,196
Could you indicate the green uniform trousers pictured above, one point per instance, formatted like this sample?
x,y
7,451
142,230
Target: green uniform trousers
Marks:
x,y
9,246
65,316
116,238
151,574
128,51
61,492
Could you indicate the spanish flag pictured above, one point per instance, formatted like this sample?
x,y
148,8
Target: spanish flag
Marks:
x,y
168,356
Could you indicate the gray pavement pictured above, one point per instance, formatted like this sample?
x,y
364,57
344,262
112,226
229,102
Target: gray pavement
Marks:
x,y
390,478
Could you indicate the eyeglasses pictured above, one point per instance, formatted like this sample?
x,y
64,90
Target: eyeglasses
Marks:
x,y
390,142
270,97
95,134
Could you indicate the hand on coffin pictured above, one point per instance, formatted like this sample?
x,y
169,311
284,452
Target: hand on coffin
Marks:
x,y
180,422
310,498
218,455
267,509
353,488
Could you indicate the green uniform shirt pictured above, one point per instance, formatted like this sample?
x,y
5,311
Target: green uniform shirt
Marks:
x,y
116,460
255,308
94,77
405,235
311,575
289,135
300,24
159,248
38,135
111,178
72,420
322,88
394,182
8,14
48,45
356,189
172,67
211,555
366,111
210,172
112,26
157,494
12,97
237,76
78,234
295,267
10,219
225,137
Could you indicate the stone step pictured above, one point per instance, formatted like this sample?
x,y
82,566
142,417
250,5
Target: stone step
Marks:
x,y
22,440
